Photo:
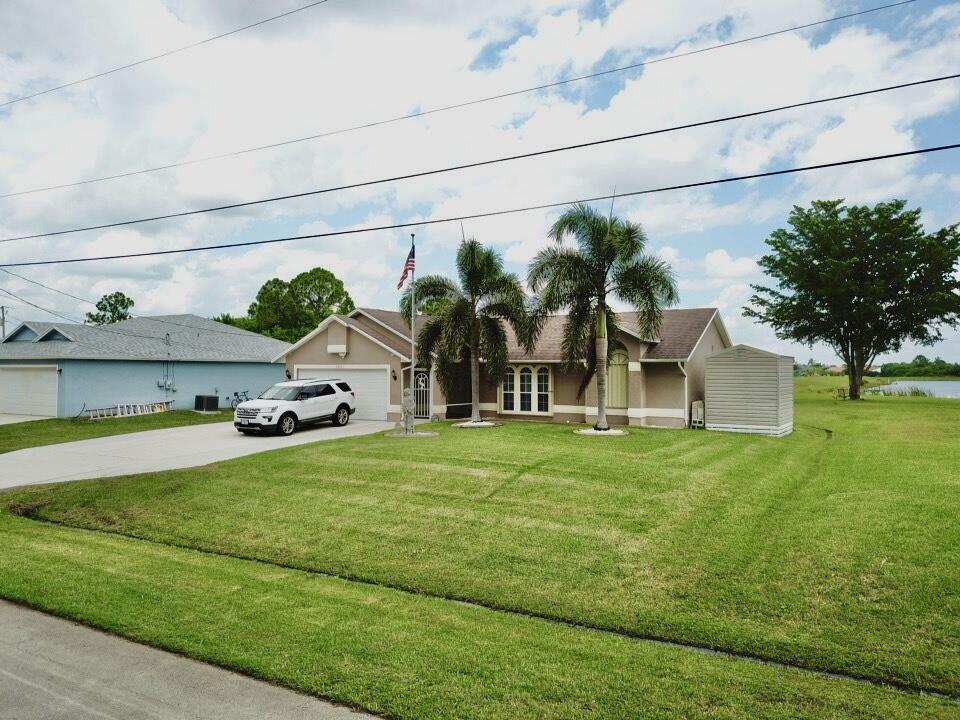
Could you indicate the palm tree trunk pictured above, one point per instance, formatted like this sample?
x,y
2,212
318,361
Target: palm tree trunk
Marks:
x,y
601,348
475,384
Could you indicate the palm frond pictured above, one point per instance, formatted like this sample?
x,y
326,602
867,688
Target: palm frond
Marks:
x,y
429,289
476,264
493,345
428,341
589,228
647,284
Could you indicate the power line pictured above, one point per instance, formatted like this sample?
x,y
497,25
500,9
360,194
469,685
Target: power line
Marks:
x,y
481,163
91,302
491,213
100,328
456,106
164,54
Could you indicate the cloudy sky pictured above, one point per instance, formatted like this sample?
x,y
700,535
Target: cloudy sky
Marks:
x,y
348,62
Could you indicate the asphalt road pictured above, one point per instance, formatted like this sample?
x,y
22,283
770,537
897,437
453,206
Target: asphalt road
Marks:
x,y
53,669
154,450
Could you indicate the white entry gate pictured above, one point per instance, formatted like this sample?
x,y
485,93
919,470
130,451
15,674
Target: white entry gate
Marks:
x,y
421,393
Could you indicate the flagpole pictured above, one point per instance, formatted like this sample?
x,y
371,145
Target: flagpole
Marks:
x,y
413,312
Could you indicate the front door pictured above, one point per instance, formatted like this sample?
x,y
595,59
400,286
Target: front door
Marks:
x,y
421,393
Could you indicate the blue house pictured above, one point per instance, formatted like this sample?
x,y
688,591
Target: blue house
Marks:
x,y
62,369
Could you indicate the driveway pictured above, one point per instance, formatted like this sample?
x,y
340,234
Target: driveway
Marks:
x,y
57,670
153,450
8,419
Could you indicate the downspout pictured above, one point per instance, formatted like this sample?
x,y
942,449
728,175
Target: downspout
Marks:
x,y
686,394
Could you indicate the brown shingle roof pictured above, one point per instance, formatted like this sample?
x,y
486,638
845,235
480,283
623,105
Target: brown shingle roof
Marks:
x,y
381,334
679,334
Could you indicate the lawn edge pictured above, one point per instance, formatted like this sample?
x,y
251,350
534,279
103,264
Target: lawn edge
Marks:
x,y
837,674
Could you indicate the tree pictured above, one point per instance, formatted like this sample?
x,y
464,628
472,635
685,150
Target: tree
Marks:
x,y
467,318
290,310
609,262
860,279
110,309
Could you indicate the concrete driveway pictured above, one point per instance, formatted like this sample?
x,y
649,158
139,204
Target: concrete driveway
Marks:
x,y
154,450
57,670
8,419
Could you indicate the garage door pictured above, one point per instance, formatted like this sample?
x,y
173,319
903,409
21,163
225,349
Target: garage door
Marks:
x,y
370,385
28,391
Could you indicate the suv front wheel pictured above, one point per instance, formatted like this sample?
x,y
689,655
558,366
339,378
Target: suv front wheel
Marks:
x,y
341,416
286,425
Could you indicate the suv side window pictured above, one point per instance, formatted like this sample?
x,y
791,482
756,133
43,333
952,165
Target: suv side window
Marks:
x,y
325,390
308,391
343,386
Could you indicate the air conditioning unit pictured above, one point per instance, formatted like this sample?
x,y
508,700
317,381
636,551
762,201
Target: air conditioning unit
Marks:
x,y
696,414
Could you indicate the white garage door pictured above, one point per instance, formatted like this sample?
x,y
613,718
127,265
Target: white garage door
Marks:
x,y
28,391
370,385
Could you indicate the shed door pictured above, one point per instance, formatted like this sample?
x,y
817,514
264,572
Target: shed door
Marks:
x,y
369,384
28,391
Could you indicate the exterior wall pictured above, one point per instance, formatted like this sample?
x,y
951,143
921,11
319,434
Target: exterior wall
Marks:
x,y
664,391
101,383
360,351
710,343
743,392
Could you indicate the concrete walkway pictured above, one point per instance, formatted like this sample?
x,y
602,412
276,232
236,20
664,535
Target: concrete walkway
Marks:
x,y
53,669
154,450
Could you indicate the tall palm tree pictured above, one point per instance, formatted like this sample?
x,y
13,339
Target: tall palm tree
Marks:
x,y
609,261
466,318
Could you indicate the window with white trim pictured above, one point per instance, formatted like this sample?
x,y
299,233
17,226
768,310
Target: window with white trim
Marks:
x,y
527,390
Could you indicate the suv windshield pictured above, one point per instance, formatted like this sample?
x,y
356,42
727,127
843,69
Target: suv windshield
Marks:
x,y
281,392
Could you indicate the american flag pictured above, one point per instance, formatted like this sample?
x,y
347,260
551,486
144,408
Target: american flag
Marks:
x,y
408,268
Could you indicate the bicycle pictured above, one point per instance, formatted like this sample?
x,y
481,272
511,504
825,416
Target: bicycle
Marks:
x,y
239,397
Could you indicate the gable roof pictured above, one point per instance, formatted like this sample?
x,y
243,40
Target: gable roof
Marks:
x,y
388,340
679,334
162,337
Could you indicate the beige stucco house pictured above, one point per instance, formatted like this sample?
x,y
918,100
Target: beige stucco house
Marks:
x,y
651,381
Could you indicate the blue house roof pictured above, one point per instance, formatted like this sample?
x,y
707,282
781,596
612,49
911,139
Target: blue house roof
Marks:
x,y
162,337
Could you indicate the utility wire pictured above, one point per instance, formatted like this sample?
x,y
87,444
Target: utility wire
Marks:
x,y
491,213
98,327
142,317
164,54
480,163
445,108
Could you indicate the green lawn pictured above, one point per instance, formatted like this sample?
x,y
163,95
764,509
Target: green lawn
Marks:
x,y
17,436
837,548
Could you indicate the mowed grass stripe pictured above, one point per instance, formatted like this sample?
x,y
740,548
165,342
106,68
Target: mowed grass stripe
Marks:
x,y
399,655
840,555
826,674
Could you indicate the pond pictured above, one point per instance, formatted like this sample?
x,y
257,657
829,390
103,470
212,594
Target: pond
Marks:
x,y
934,388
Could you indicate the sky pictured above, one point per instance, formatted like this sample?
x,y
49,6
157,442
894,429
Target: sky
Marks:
x,y
349,62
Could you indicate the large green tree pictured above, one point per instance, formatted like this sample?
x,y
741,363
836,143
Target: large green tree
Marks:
x,y
467,318
608,261
860,279
290,310
111,308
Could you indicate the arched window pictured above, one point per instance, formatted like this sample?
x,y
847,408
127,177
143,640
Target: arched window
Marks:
x,y
526,390
508,390
617,379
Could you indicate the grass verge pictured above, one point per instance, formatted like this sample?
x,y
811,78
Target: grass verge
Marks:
x,y
17,436
401,655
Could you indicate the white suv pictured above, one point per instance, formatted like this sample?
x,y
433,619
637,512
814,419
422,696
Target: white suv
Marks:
x,y
289,404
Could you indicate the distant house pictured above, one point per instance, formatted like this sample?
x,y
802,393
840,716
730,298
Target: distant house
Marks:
x,y
62,368
651,381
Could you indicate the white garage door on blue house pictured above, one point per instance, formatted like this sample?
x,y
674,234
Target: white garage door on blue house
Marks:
x,y
28,390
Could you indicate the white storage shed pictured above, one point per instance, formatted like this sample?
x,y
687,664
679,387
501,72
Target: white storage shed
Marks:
x,y
749,390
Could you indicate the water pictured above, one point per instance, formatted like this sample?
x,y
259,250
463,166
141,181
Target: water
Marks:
x,y
937,388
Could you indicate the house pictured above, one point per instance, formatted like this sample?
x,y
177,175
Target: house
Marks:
x,y
61,368
651,381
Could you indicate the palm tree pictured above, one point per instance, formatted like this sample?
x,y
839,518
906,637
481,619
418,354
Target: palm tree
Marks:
x,y
466,318
609,261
